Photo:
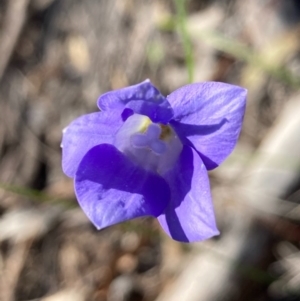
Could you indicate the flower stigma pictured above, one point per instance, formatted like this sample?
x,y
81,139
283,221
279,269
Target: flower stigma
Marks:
x,y
153,146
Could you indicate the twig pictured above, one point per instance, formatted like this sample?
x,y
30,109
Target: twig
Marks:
x,y
12,25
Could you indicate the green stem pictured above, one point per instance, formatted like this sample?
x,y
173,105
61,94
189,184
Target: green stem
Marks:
x,y
187,44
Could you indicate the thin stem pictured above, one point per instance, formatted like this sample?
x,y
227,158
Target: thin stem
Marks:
x,y
187,44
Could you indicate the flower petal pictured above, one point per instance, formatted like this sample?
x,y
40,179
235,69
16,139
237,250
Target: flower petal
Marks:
x,y
84,133
209,115
189,216
111,189
142,98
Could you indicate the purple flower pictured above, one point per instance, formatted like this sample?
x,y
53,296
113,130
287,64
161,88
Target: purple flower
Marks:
x,y
145,154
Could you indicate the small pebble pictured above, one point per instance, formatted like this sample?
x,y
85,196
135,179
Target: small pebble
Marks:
x,y
126,264
130,241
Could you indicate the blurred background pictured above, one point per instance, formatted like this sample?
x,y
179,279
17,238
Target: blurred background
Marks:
x,y
57,57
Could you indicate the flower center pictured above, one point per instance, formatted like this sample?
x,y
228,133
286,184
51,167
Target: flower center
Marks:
x,y
154,146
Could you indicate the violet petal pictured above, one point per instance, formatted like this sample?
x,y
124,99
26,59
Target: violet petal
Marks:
x,y
209,115
84,133
111,189
189,216
142,98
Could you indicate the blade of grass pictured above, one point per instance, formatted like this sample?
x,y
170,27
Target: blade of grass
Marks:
x,y
37,195
187,44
